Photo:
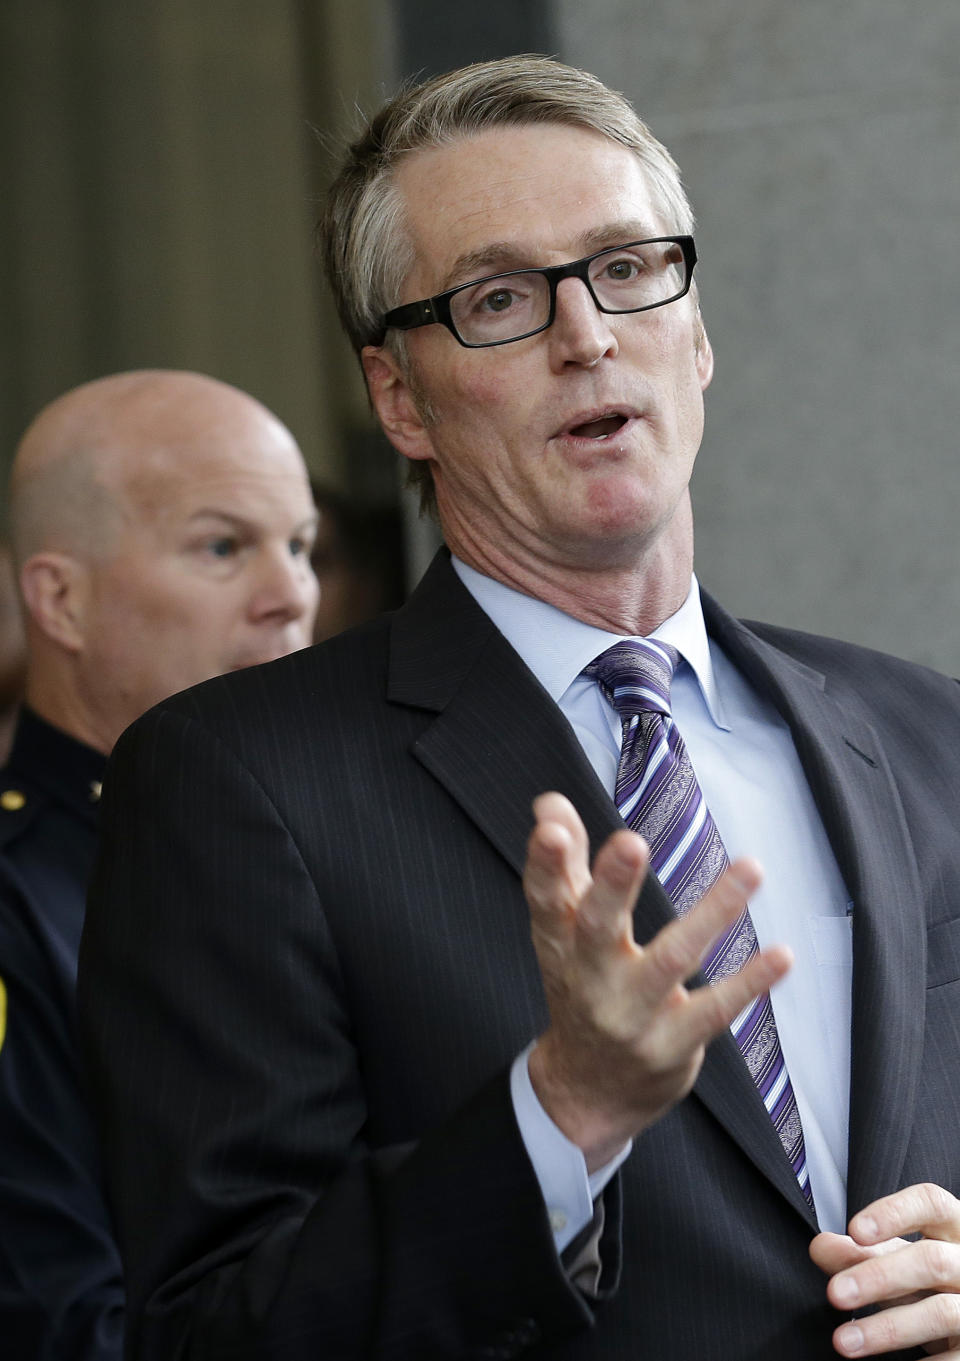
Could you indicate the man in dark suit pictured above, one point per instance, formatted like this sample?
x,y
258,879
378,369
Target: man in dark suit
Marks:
x,y
352,1106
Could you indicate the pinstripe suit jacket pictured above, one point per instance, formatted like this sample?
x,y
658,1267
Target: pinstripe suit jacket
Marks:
x,y
307,967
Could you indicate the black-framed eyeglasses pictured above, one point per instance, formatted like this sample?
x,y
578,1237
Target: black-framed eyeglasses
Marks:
x,y
503,307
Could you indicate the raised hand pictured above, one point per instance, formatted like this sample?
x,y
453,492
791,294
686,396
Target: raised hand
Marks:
x,y
626,1038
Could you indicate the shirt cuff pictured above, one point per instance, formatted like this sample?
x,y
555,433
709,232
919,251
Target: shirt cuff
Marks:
x,y
561,1169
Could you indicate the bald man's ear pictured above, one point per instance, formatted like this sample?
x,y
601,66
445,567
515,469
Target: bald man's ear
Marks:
x,y
56,590
396,404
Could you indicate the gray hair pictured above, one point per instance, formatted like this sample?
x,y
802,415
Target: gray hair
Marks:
x,y
367,251
366,245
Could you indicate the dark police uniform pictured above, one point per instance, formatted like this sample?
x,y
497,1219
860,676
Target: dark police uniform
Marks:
x,y
61,1296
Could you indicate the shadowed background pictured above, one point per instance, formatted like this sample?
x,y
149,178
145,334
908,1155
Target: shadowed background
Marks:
x,y
160,173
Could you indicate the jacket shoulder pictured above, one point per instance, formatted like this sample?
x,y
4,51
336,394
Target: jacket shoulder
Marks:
x,y
838,659
273,707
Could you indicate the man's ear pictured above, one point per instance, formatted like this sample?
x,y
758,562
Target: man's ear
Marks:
x,y
395,404
704,355
56,589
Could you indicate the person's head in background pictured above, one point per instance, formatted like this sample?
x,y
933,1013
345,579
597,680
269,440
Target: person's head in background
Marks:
x,y
161,525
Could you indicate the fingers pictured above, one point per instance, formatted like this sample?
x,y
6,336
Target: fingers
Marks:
x,y
933,1319
557,872
923,1208
564,897
678,950
889,1267
553,807
711,1010
832,1252
606,911
910,1268
593,914
919,1281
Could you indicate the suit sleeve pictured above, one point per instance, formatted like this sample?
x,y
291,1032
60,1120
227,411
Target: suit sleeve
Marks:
x,y
254,1220
61,1292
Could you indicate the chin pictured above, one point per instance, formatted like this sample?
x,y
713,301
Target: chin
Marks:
x,y
613,537
611,513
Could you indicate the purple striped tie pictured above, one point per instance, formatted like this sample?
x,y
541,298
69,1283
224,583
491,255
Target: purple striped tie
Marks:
x,y
657,795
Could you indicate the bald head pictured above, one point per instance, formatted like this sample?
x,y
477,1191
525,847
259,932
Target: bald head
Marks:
x,y
83,464
162,523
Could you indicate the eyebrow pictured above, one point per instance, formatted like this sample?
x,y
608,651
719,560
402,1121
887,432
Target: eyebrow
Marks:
x,y
502,257
241,521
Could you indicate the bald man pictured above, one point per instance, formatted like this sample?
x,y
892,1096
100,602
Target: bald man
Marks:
x,y
161,525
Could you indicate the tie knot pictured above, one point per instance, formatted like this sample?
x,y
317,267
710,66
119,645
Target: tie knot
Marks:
x,y
636,675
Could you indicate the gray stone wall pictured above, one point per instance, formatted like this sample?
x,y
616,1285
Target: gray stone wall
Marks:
x,y
820,143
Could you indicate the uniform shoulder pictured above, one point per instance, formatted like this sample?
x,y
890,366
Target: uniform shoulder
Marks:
x,y
21,800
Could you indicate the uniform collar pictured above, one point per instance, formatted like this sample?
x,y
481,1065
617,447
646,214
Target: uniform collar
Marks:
x,y
46,758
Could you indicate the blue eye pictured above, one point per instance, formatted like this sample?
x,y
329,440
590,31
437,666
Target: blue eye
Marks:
x,y
222,548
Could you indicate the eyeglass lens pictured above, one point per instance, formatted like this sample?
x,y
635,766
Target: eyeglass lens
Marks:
x,y
624,279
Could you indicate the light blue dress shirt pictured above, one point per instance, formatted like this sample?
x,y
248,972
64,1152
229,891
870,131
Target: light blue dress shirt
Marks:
x,y
748,769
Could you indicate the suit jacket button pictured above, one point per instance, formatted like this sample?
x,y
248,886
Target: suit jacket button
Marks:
x,y
511,1342
527,1332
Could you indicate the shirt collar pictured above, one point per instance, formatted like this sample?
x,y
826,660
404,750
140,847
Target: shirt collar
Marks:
x,y
556,647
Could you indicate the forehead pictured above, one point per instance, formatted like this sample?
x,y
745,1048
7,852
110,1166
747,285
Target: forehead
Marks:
x,y
533,195
248,468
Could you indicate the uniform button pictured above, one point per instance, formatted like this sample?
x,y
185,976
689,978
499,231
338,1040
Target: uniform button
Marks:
x,y
558,1221
12,800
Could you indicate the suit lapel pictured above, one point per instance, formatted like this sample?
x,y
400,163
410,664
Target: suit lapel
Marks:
x,y
856,794
498,741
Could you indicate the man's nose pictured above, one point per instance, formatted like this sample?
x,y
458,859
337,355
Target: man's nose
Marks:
x,y
286,588
581,334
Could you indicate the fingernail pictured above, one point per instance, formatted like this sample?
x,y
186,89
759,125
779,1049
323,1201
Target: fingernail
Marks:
x,y
846,1290
867,1226
850,1338
625,859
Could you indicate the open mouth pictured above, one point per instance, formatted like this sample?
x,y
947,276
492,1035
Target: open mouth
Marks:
x,y
602,428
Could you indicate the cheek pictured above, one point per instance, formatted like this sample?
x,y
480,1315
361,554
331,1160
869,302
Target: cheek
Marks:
x,y
179,647
478,387
684,393
691,413
163,625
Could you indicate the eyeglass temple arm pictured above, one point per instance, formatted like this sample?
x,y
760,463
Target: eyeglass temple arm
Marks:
x,y
411,315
